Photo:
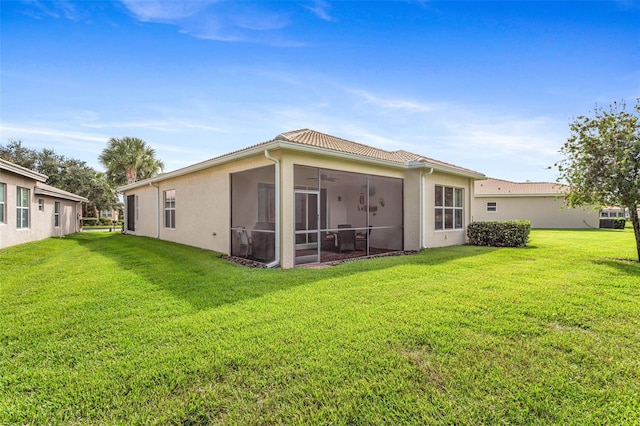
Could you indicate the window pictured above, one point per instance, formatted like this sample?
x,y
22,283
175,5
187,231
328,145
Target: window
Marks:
x,y
40,205
138,207
56,214
3,189
22,208
266,202
448,208
492,206
170,209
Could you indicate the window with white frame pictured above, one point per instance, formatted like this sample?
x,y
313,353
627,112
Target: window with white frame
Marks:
x,y
40,204
449,209
170,209
492,206
22,208
56,214
266,202
3,204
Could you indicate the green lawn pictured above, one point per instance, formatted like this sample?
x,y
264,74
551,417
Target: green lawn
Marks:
x,y
101,328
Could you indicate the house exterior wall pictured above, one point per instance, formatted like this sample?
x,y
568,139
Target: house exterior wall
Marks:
x,y
441,238
202,206
203,202
41,223
542,211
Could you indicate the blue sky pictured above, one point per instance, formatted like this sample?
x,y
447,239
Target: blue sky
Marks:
x,y
491,86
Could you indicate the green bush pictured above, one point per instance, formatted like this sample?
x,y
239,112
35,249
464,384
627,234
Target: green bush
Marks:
x,y
89,221
508,233
106,221
619,223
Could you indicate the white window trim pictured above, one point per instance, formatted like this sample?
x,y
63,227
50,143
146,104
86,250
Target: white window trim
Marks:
x,y
166,209
56,214
495,206
454,207
19,208
41,205
3,203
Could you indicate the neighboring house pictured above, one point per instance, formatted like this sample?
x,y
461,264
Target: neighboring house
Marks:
x,y
30,210
542,203
615,212
305,197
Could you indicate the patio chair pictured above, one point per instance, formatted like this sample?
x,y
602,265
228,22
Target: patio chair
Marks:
x,y
346,238
245,242
363,237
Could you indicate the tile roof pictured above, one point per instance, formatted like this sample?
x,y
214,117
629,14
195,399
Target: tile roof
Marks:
x,y
499,187
324,141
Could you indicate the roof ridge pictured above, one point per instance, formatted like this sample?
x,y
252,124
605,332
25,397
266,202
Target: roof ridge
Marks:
x,y
526,182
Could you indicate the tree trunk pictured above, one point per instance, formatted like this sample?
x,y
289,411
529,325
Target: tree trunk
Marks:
x,y
633,214
130,174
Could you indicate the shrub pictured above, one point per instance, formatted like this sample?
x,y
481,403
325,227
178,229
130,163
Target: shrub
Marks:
x,y
619,223
89,221
509,233
106,221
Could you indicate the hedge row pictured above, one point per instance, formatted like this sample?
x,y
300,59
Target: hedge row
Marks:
x,y
95,221
508,233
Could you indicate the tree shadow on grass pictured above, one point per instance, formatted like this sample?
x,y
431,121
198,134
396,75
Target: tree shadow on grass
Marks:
x,y
629,267
203,279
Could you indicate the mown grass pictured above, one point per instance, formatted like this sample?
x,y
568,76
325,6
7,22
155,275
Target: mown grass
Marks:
x,y
102,328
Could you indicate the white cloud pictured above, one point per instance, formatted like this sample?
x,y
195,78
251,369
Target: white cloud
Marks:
x,y
246,21
14,132
321,10
391,104
165,11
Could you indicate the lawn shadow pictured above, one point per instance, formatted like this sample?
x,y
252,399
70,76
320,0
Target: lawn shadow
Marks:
x,y
205,281
629,267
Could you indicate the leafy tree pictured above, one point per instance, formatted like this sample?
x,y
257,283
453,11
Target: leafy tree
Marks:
x,y
129,159
18,154
601,164
65,173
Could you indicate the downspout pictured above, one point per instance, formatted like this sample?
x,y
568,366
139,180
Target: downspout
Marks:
x,y
422,209
276,261
157,209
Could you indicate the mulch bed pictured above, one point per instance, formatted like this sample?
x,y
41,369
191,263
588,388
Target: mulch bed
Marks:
x,y
255,264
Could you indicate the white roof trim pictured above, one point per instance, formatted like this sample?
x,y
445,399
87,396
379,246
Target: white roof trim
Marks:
x,y
550,194
23,171
293,146
51,191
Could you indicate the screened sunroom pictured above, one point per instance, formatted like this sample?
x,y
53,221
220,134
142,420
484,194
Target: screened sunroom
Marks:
x,y
337,214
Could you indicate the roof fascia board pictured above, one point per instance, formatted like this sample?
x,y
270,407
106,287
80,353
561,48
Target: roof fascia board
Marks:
x,y
54,194
387,163
23,171
259,149
199,166
554,194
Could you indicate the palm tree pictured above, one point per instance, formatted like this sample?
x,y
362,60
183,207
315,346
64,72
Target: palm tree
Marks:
x,y
129,159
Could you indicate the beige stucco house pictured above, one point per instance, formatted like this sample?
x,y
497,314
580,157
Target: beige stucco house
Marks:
x,y
542,203
31,210
306,197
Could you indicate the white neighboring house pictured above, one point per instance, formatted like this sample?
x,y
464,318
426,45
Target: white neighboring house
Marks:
x,y
615,212
31,210
542,203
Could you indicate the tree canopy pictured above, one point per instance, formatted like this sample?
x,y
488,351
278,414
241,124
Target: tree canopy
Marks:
x,y
601,164
65,173
129,159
